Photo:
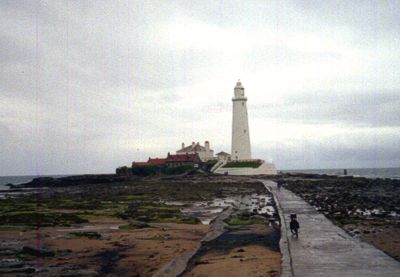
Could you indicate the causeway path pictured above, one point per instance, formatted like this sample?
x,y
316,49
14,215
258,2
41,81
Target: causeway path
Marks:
x,y
323,249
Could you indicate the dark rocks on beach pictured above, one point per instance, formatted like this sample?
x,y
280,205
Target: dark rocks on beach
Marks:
x,y
11,263
83,273
73,180
37,252
15,270
8,252
349,197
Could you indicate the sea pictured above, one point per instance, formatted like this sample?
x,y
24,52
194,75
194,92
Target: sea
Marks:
x,y
392,173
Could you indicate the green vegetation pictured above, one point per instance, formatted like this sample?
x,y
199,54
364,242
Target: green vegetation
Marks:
x,y
152,170
135,225
238,221
148,170
153,212
15,228
252,164
175,170
42,218
244,218
134,200
89,235
209,164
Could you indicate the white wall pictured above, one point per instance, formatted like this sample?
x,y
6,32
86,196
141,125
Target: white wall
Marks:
x,y
265,168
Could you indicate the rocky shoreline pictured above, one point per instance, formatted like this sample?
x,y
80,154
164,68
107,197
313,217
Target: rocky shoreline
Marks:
x,y
94,225
366,208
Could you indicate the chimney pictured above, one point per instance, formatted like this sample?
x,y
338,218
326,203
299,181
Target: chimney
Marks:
x,y
207,145
183,145
193,143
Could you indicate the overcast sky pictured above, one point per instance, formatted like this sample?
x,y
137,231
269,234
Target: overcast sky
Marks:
x,y
86,86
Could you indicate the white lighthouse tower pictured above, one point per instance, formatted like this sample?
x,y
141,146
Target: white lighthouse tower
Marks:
x,y
240,126
241,149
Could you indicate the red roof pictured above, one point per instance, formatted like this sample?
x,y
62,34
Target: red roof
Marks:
x,y
182,158
139,163
170,159
156,161
150,161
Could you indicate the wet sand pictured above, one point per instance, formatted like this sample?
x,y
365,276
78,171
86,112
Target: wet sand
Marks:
x,y
248,251
135,228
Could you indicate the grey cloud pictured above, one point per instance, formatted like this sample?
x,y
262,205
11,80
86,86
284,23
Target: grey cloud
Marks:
x,y
282,56
13,52
100,83
373,108
369,21
383,152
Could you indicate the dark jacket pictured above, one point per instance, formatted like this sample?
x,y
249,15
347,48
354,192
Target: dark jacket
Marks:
x,y
294,224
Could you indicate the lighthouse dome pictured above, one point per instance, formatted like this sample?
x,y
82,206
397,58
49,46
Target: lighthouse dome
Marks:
x,y
238,84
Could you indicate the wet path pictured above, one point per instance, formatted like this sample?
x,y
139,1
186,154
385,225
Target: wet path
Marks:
x,y
324,249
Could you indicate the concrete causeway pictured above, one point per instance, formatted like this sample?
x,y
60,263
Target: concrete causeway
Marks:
x,y
322,248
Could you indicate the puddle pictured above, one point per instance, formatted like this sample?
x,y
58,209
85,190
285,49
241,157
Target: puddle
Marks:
x,y
206,211
89,228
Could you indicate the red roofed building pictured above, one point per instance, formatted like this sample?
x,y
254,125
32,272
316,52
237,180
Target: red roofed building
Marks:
x,y
140,164
150,161
185,159
172,160
156,161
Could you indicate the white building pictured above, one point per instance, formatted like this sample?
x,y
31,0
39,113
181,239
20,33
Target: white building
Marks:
x,y
205,153
240,162
241,149
223,156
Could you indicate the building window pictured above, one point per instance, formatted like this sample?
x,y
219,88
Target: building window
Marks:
x,y
245,131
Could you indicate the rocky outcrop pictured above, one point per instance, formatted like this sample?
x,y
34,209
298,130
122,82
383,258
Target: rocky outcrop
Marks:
x,y
72,180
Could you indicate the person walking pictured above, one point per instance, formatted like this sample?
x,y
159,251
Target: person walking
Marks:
x,y
279,185
294,226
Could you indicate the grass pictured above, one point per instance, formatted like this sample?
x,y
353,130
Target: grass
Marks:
x,y
89,235
40,218
15,228
252,164
135,225
155,212
234,221
244,218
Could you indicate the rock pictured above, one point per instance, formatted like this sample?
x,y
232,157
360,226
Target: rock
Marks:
x,y
83,273
240,250
37,252
11,263
7,252
26,269
356,231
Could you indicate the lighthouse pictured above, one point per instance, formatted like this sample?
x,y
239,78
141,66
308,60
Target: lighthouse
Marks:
x,y
241,149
